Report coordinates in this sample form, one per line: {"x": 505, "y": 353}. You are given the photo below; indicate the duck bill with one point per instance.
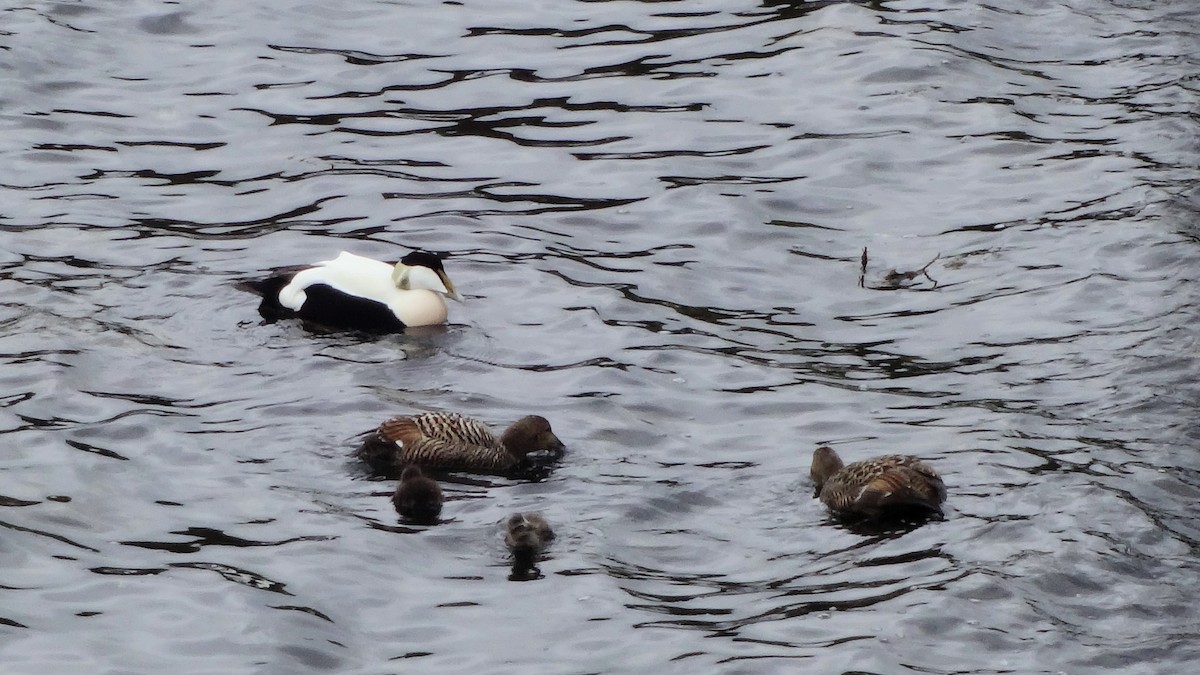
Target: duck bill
{"x": 450, "y": 291}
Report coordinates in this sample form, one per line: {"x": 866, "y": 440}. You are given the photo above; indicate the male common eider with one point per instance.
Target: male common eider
{"x": 525, "y": 535}
{"x": 877, "y": 487}
{"x": 451, "y": 441}
{"x": 418, "y": 497}
{"x": 360, "y": 293}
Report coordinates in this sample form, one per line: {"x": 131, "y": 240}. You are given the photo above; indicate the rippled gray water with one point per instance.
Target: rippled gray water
{"x": 656, "y": 211}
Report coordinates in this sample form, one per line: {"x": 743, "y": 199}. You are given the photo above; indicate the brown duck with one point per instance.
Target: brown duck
{"x": 454, "y": 442}
{"x": 418, "y": 497}
{"x": 526, "y": 534}
{"x": 876, "y": 487}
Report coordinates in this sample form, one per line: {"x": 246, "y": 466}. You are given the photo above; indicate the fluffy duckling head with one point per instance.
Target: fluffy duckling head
{"x": 418, "y": 497}
{"x": 421, "y": 269}
{"x": 525, "y": 535}
{"x": 531, "y": 434}
{"x": 825, "y": 463}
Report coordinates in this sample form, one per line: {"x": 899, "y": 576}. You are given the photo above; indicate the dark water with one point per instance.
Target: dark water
{"x": 656, "y": 211}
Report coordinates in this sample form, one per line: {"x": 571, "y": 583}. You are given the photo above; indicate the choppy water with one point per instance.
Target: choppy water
{"x": 656, "y": 211}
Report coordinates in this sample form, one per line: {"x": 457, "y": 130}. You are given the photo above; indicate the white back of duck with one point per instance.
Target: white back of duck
{"x": 348, "y": 273}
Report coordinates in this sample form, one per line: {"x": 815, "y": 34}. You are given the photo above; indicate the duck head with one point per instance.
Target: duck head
{"x": 526, "y": 534}
{"x": 825, "y": 463}
{"x": 523, "y": 532}
{"x": 531, "y": 434}
{"x": 421, "y": 269}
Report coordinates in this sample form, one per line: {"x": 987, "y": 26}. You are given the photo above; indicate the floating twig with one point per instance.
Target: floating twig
{"x": 894, "y": 279}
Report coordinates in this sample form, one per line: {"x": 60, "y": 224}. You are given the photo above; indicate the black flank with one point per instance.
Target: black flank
{"x": 330, "y": 307}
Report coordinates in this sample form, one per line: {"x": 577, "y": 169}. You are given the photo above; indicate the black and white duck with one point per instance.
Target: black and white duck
{"x": 355, "y": 292}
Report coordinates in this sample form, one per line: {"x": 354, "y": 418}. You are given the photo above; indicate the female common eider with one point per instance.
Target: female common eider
{"x": 360, "y": 293}
{"x": 451, "y": 441}
{"x": 525, "y": 535}
{"x": 876, "y": 487}
{"x": 418, "y": 497}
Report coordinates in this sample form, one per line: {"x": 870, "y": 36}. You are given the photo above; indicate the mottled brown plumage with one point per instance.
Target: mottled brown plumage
{"x": 876, "y": 487}
{"x": 418, "y": 497}
{"x": 454, "y": 442}
{"x": 526, "y": 535}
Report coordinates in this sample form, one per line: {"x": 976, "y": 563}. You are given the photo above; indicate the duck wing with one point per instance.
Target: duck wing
{"x": 900, "y": 481}
{"x": 445, "y": 441}
{"x": 446, "y": 427}
{"x": 890, "y": 482}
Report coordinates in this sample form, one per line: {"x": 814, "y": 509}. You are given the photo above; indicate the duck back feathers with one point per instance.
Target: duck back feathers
{"x": 876, "y": 487}
{"x": 448, "y": 428}
{"x": 349, "y": 274}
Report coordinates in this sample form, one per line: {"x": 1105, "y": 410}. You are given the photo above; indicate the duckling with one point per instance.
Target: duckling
{"x": 876, "y": 487}
{"x": 451, "y": 441}
{"x": 360, "y": 293}
{"x": 418, "y": 497}
{"x": 526, "y": 535}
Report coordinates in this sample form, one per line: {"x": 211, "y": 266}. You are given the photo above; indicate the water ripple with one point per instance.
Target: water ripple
{"x": 700, "y": 239}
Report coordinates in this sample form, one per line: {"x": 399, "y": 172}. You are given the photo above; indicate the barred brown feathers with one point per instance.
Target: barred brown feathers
{"x": 876, "y": 487}
{"x": 451, "y": 441}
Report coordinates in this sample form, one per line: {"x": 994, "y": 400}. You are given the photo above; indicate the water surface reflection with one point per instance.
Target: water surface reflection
{"x": 657, "y": 213}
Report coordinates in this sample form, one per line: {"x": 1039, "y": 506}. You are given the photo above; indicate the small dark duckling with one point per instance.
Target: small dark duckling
{"x": 526, "y": 535}
{"x": 418, "y": 497}
{"x": 878, "y": 487}
{"x": 450, "y": 441}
